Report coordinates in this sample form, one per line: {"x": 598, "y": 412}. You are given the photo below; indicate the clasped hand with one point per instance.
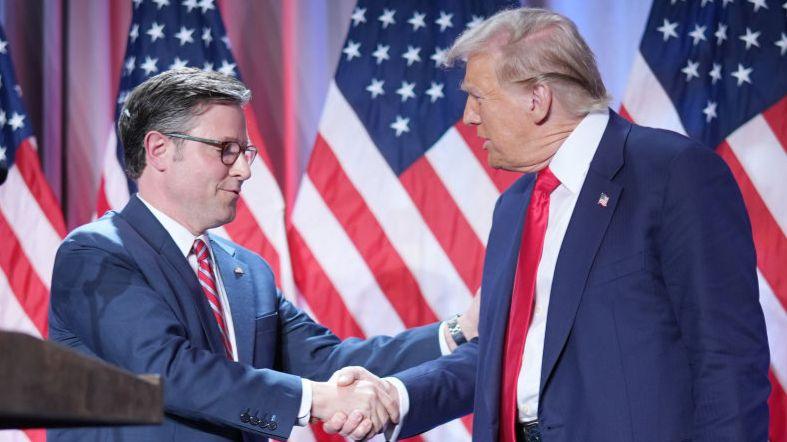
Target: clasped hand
{"x": 355, "y": 403}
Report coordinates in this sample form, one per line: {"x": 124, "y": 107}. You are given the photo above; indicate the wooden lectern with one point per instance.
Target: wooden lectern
{"x": 43, "y": 384}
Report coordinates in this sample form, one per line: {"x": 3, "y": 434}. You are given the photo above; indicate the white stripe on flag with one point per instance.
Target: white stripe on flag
{"x": 12, "y": 315}
{"x": 13, "y": 436}
{"x": 776, "y": 323}
{"x": 453, "y": 430}
{"x": 344, "y": 266}
{"x": 266, "y": 204}
{"x": 467, "y": 182}
{"x": 24, "y": 215}
{"x": 440, "y": 283}
{"x": 647, "y": 102}
{"x": 762, "y": 157}
{"x": 115, "y": 183}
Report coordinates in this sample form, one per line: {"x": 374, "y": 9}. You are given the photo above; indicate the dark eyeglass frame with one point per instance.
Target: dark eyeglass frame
{"x": 228, "y": 156}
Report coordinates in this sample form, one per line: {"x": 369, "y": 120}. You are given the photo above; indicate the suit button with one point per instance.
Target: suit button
{"x": 244, "y": 417}
{"x": 272, "y": 425}
{"x": 254, "y": 420}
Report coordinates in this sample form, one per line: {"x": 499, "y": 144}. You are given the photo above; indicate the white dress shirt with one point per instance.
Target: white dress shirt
{"x": 185, "y": 242}
{"x": 570, "y": 165}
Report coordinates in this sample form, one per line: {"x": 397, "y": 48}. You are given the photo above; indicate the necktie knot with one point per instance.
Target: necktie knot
{"x": 546, "y": 181}
{"x": 199, "y": 248}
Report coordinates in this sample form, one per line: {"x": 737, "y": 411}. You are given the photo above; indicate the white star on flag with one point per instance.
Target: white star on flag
{"x": 439, "y": 56}
{"x": 406, "y": 91}
{"x": 417, "y": 20}
{"x": 715, "y": 73}
{"x": 698, "y": 34}
{"x": 705, "y": 2}
{"x": 750, "y": 38}
{"x": 134, "y": 33}
{"x": 720, "y": 34}
{"x": 161, "y": 3}
{"x": 184, "y": 35}
{"x": 129, "y": 64}
{"x": 207, "y": 67}
{"x": 742, "y": 74}
{"x": 758, "y": 4}
{"x": 2, "y": 153}
{"x": 725, "y": 2}
{"x": 189, "y": 4}
{"x": 226, "y": 41}
{"x": 709, "y": 111}
{"x": 3, "y": 44}
{"x": 401, "y": 125}
{"x": 376, "y": 87}
{"x": 155, "y": 32}
{"x": 149, "y": 66}
{"x": 691, "y": 70}
{"x": 381, "y": 53}
{"x": 435, "y": 91}
{"x": 352, "y": 50}
{"x": 476, "y": 20}
{"x": 227, "y": 68}
{"x": 782, "y": 42}
{"x": 3, "y": 119}
{"x": 444, "y": 21}
{"x": 387, "y": 18}
{"x": 668, "y": 29}
{"x": 206, "y": 5}
{"x": 178, "y": 63}
{"x": 207, "y": 37}
{"x": 359, "y": 16}
{"x": 412, "y": 55}
{"x": 136, "y": 3}
{"x": 17, "y": 121}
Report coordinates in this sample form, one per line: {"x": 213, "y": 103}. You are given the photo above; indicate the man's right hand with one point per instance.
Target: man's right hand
{"x": 358, "y": 398}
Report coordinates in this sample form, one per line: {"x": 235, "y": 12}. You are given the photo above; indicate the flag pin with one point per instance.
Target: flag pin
{"x": 238, "y": 271}
{"x": 603, "y": 199}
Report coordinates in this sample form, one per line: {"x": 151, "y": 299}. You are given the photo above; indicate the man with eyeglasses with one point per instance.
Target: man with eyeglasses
{"x": 148, "y": 289}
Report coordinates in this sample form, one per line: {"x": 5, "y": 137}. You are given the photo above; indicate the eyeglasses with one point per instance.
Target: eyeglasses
{"x": 230, "y": 150}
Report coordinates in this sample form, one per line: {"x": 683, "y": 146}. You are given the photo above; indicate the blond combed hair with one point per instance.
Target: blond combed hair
{"x": 537, "y": 46}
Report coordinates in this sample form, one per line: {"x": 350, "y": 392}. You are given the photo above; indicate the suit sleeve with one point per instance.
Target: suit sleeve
{"x": 108, "y": 305}
{"x": 312, "y": 351}
{"x": 709, "y": 267}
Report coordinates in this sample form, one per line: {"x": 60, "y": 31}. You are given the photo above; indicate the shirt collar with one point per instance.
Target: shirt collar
{"x": 179, "y": 233}
{"x": 572, "y": 159}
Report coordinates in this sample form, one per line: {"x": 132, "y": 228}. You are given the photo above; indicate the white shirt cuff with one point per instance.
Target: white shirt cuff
{"x": 391, "y": 431}
{"x": 304, "y": 413}
{"x": 444, "y": 349}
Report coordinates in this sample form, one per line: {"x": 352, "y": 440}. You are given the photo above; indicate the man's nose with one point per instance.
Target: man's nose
{"x": 241, "y": 168}
{"x": 470, "y": 116}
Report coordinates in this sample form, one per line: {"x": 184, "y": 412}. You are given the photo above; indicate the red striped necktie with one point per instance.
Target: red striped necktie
{"x": 208, "y": 283}
{"x": 522, "y": 298}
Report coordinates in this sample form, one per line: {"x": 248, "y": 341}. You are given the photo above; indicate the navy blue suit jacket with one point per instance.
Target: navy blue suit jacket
{"x": 123, "y": 292}
{"x": 654, "y": 330}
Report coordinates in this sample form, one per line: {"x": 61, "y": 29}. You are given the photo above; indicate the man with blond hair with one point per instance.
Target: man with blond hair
{"x": 619, "y": 298}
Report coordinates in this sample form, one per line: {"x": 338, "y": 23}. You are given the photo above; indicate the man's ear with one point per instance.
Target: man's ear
{"x": 158, "y": 150}
{"x": 540, "y": 102}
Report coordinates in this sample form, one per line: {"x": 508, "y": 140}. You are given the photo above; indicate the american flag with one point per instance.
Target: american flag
{"x": 717, "y": 71}
{"x": 168, "y": 34}
{"x": 31, "y": 223}
{"x": 389, "y": 226}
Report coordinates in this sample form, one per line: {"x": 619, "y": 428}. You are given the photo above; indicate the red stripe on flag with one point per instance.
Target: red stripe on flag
{"x": 35, "y": 435}
{"x": 769, "y": 240}
{"x": 30, "y": 292}
{"x": 320, "y": 293}
{"x": 245, "y": 230}
{"x": 778, "y": 405}
{"x": 467, "y": 421}
{"x": 625, "y": 113}
{"x": 776, "y": 116}
{"x": 446, "y": 221}
{"x": 27, "y": 163}
{"x": 322, "y": 436}
{"x": 501, "y": 178}
{"x": 256, "y": 137}
{"x": 102, "y": 203}
{"x": 389, "y": 269}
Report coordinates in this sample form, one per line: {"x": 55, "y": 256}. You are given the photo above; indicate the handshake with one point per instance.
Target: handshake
{"x": 355, "y": 403}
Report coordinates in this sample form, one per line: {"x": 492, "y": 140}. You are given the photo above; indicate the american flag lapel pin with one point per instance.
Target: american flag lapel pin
{"x": 603, "y": 199}
{"x": 238, "y": 271}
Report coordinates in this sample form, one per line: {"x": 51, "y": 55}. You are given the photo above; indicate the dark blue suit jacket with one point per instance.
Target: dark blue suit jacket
{"x": 654, "y": 330}
{"x": 123, "y": 292}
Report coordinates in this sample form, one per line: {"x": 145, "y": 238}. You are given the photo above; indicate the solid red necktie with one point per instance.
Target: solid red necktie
{"x": 522, "y": 297}
{"x": 208, "y": 283}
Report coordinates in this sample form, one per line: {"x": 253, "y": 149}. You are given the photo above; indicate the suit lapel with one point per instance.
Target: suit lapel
{"x": 148, "y": 227}
{"x": 593, "y": 211}
{"x": 239, "y": 290}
